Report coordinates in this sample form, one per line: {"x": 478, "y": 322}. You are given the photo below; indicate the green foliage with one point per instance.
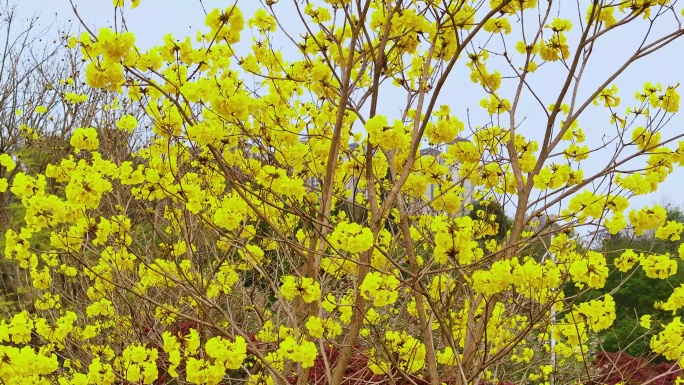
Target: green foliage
{"x": 637, "y": 293}
{"x": 484, "y": 210}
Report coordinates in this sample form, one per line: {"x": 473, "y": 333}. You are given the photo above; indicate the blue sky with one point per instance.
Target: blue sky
{"x": 155, "y": 18}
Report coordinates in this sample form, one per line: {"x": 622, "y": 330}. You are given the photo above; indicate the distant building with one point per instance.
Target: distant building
{"x": 432, "y": 190}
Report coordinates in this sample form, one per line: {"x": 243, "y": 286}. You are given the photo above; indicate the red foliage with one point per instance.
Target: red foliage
{"x": 621, "y": 367}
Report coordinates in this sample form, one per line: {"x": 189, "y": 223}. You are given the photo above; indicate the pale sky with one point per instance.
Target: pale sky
{"x": 155, "y": 18}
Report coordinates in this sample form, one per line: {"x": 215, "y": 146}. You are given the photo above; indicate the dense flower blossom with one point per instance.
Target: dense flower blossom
{"x": 244, "y": 213}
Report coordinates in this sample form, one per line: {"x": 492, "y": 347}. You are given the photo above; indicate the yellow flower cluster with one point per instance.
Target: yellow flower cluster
{"x": 674, "y": 302}
{"x": 221, "y": 205}
{"x": 671, "y": 231}
{"x": 304, "y": 352}
{"x": 32, "y": 364}
{"x": 558, "y": 175}
{"x": 351, "y": 237}
{"x": 304, "y": 287}
{"x": 627, "y": 260}
{"x": 138, "y": 363}
{"x": 659, "y": 266}
{"x": 277, "y": 180}
{"x": 670, "y": 341}
{"x": 410, "y": 350}
{"x": 226, "y": 353}
{"x": 344, "y": 306}
{"x": 225, "y": 278}
{"x": 387, "y": 137}
{"x": 530, "y": 277}
{"x": 572, "y": 334}
{"x": 445, "y": 129}
{"x": 24, "y": 366}
{"x": 590, "y": 205}
{"x": 108, "y": 52}
{"x": 454, "y": 240}
{"x": 380, "y": 288}
{"x": 589, "y": 269}
{"x": 647, "y": 218}
{"x": 222, "y": 355}
{"x": 317, "y": 326}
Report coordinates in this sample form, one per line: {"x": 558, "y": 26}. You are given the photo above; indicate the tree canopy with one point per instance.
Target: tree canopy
{"x": 635, "y": 292}
{"x": 243, "y": 207}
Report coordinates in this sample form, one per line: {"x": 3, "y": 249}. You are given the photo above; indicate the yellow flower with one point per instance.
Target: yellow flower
{"x": 84, "y": 139}
{"x": 670, "y": 231}
{"x": 560, "y": 25}
{"x": 447, "y": 127}
{"x": 7, "y": 162}
{"x": 576, "y": 153}
{"x": 670, "y": 100}
{"x": 381, "y": 288}
{"x": 386, "y": 136}
{"x": 262, "y": 21}
{"x": 590, "y": 269}
{"x": 305, "y": 287}
{"x": 304, "y": 352}
{"x": 20, "y": 328}
{"x": 645, "y": 138}
{"x": 127, "y": 123}
{"x": 410, "y": 350}
{"x": 598, "y": 314}
{"x": 626, "y": 260}
{"x": 659, "y": 266}
{"x": 315, "y": 327}
{"x": 200, "y": 371}
{"x": 498, "y": 25}
{"x": 608, "y": 97}
{"x": 647, "y": 218}
{"x": 229, "y": 354}
{"x": 495, "y": 106}
{"x": 114, "y": 46}
{"x": 41, "y": 278}
{"x": 120, "y": 3}
{"x": 351, "y": 237}
{"x": 99, "y": 373}
{"x": 225, "y": 25}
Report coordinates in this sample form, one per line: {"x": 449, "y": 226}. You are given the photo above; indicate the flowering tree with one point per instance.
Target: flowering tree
{"x": 42, "y": 100}
{"x": 274, "y": 228}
